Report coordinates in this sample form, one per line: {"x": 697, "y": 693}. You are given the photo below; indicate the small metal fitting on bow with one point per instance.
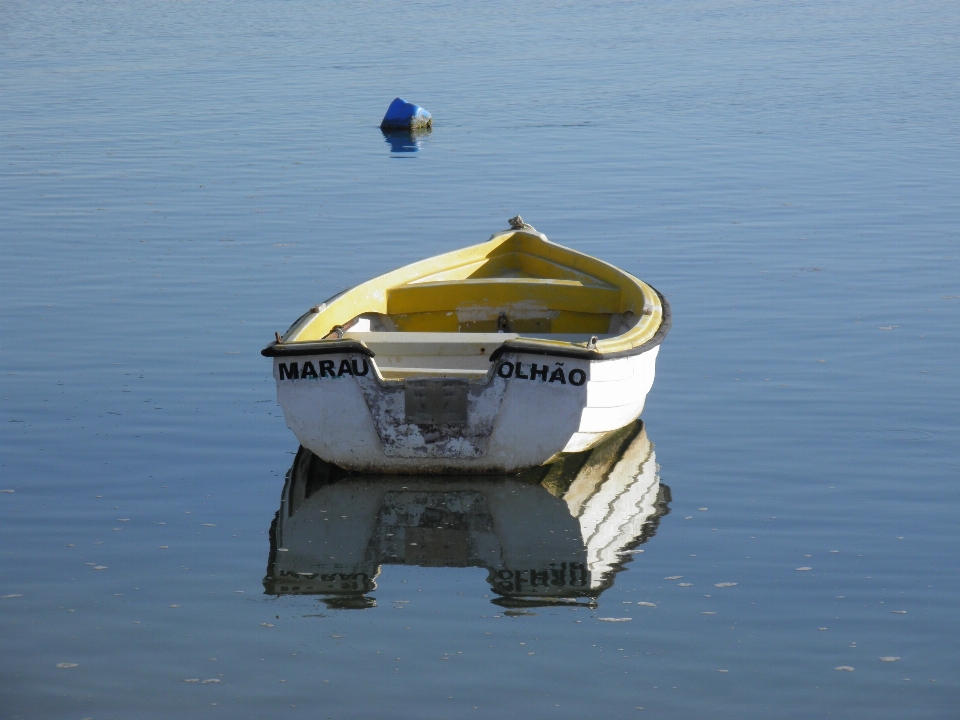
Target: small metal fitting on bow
{"x": 517, "y": 223}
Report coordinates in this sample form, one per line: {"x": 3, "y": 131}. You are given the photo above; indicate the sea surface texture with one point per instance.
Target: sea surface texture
{"x": 781, "y": 537}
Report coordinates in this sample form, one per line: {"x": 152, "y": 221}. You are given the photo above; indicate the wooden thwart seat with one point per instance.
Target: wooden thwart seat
{"x": 551, "y": 294}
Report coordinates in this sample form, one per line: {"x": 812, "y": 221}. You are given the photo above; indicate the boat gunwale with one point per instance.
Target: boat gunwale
{"x": 535, "y": 346}
{"x": 527, "y": 346}
{"x": 316, "y": 347}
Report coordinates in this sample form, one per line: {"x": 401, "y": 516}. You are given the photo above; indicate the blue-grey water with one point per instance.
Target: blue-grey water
{"x": 182, "y": 179}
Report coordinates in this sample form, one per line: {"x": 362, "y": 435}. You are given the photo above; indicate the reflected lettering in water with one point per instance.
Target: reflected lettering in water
{"x": 405, "y": 141}
{"x": 558, "y": 533}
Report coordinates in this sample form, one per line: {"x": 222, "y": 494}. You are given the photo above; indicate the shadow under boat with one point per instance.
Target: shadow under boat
{"x": 554, "y": 534}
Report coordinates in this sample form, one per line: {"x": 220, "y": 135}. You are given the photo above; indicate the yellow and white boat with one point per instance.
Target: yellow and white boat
{"x": 490, "y": 359}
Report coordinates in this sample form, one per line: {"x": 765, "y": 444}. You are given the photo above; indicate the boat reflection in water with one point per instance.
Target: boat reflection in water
{"x": 558, "y": 533}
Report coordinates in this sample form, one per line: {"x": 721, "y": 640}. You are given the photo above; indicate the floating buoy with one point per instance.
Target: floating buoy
{"x": 403, "y": 115}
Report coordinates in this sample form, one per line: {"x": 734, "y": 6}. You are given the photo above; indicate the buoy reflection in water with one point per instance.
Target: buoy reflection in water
{"x": 405, "y": 141}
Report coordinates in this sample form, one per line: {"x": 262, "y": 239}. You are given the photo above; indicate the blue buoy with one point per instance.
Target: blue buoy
{"x": 402, "y": 115}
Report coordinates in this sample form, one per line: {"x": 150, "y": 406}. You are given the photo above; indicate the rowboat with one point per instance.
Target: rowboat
{"x": 554, "y": 534}
{"x": 491, "y": 359}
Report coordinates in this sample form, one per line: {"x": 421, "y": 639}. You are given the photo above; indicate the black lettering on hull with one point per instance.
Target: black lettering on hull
{"x": 323, "y": 369}
{"x": 507, "y": 369}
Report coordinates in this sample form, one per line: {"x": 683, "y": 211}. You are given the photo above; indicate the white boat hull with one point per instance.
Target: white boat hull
{"x": 526, "y": 412}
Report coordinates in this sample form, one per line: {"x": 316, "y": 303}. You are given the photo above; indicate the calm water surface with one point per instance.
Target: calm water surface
{"x": 180, "y": 180}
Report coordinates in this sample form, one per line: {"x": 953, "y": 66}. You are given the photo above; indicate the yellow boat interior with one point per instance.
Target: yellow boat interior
{"x": 444, "y": 316}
